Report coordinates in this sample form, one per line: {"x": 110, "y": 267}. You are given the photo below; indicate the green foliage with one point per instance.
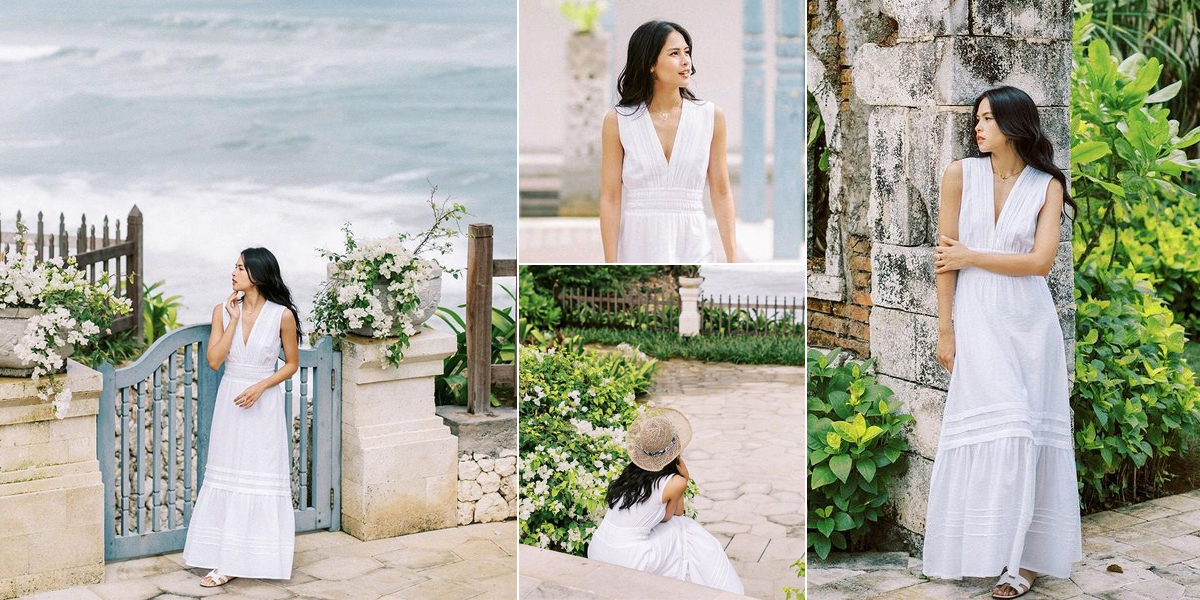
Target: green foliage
{"x": 715, "y": 319}
{"x": 582, "y": 14}
{"x": 644, "y": 317}
{"x": 1166, "y": 29}
{"x": 159, "y": 313}
{"x": 1126, "y": 152}
{"x": 598, "y": 278}
{"x": 1135, "y": 397}
{"x": 738, "y": 349}
{"x": 538, "y": 309}
{"x": 574, "y": 410}
{"x": 451, "y": 386}
{"x": 116, "y": 349}
{"x": 792, "y": 593}
{"x": 854, "y": 449}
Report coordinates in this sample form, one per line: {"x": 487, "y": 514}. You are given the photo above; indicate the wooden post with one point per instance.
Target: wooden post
{"x": 134, "y": 265}
{"x": 479, "y": 319}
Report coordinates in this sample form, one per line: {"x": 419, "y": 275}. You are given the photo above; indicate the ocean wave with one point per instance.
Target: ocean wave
{"x": 11, "y": 53}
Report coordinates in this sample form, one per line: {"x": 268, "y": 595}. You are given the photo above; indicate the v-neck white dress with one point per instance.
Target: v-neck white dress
{"x": 1003, "y": 491}
{"x": 243, "y": 524}
{"x": 662, "y": 206}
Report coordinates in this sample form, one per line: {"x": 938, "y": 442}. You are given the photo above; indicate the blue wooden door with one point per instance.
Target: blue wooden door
{"x": 153, "y": 431}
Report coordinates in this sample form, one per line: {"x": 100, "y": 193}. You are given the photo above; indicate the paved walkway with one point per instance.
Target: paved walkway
{"x": 547, "y": 575}
{"x": 475, "y": 561}
{"x": 1148, "y": 551}
{"x": 747, "y": 455}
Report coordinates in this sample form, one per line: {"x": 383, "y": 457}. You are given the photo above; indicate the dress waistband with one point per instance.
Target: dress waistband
{"x": 248, "y": 372}
{"x": 659, "y": 200}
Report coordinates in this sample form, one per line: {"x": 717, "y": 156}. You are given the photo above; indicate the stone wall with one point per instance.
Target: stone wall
{"x": 487, "y": 487}
{"x": 51, "y": 495}
{"x": 915, "y": 68}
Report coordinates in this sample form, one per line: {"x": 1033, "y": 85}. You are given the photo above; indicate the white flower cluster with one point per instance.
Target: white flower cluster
{"x": 25, "y": 283}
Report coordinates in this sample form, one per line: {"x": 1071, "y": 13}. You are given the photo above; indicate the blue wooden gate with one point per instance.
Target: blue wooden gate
{"x": 153, "y": 432}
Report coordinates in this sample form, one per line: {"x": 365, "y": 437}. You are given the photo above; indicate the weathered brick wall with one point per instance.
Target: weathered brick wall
{"x": 913, "y": 88}
{"x": 846, "y": 324}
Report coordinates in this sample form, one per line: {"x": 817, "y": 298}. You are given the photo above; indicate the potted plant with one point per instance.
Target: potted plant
{"x": 380, "y": 288}
{"x": 46, "y": 310}
{"x": 688, "y": 275}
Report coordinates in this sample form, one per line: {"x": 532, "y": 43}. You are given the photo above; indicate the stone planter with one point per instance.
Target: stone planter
{"x": 429, "y": 291}
{"x": 13, "y": 322}
{"x": 690, "y": 282}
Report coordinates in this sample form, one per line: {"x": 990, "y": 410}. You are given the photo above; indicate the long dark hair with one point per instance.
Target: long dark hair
{"x": 635, "y": 85}
{"x": 263, "y": 270}
{"x": 1017, "y": 117}
{"x": 635, "y": 484}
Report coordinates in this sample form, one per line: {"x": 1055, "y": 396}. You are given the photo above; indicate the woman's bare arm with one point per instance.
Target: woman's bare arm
{"x": 1037, "y": 262}
{"x": 221, "y": 337}
{"x": 719, "y": 189}
{"x": 672, "y": 496}
{"x": 948, "y": 209}
{"x": 612, "y": 156}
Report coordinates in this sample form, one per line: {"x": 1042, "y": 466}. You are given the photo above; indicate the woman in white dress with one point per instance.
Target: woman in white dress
{"x": 243, "y": 524}
{"x": 660, "y": 145}
{"x": 1003, "y": 496}
{"x": 644, "y": 527}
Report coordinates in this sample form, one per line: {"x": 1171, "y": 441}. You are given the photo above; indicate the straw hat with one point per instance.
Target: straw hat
{"x": 656, "y": 437}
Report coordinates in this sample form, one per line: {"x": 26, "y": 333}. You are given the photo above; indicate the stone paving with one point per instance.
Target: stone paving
{"x": 747, "y": 456}
{"x": 475, "y": 561}
{"x": 1148, "y": 551}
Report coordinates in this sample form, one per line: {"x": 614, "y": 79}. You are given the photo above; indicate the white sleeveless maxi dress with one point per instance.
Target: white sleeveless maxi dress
{"x": 1004, "y": 487}
{"x": 243, "y": 524}
{"x": 635, "y": 537}
{"x": 662, "y": 206}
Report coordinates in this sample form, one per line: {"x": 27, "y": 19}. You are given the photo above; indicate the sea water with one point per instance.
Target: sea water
{"x": 236, "y": 124}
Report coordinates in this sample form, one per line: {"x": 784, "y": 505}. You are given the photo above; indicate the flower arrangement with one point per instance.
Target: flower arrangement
{"x": 71, "y": 311}
{"x": 375, "y": 284}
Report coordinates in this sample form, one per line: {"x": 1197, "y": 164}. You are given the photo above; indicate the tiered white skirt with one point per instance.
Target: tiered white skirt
{"x": 664, "y": 226}
{"x": 680, "y": 548}
{"x": 243, "y": 524}
{"x": 1004, "y": 486}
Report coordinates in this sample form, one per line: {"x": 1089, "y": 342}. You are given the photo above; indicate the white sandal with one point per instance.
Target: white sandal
{"x": 1016, "y": 580}
{"x": 218, "y": 579}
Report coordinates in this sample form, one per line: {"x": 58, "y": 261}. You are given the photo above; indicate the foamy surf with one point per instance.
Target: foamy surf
{"x": 16, "y": 54}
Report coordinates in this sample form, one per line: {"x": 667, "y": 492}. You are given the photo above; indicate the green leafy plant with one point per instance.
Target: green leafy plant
{"x": 1135, "y": 397}
{"x": 451, "y": 385}
{"x": 582, "y": 14}
{"x": 159, "y": 314}
{"x": 738, "y": 349}
{"x": 538, "y": 309}
{"x": 855, "y": 444}
{"x": 794, "y": 593}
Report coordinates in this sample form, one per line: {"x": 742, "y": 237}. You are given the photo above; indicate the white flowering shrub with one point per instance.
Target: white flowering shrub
{"x": 351, "y": 299}
{"x": 575, "y": 407}
{"x": 73, "y": 313}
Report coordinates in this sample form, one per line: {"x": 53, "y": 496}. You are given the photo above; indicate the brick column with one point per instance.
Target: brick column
{"x": 51, "y": 494}
{"x": 399, "y": 460}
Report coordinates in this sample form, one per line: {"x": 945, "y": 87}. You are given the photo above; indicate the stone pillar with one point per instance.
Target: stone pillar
{"x": 51, "y": 493}
{"x": 399, "y": 459}
{"x": 689, "y": 312}
{"x": 754, "y": 106}
{"x": 917, "y": 87}
{"x": 587, "y": 99}
{"x": 790, "y": 102}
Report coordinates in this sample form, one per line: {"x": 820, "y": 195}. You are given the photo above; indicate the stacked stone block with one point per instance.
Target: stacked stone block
{"x": 487, "y": 487}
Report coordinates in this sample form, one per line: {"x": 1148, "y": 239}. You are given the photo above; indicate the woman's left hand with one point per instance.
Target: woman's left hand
{"x": 951, "y": 255}
{"x": 249, "y": 396}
